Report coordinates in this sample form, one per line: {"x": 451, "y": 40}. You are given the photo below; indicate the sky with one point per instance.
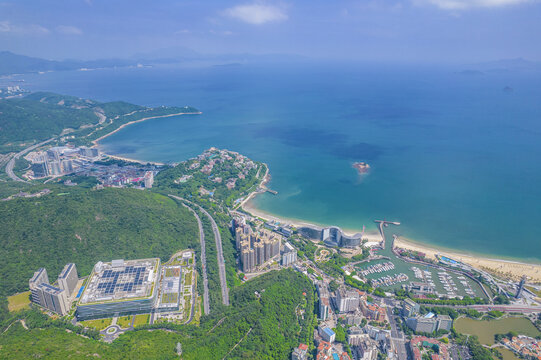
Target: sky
{"x": 372, "y": 30}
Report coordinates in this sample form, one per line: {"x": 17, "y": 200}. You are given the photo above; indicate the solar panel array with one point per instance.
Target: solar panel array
{"x": 121, "y": 280}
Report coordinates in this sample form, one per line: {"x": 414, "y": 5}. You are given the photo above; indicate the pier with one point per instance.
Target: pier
{"x": 384, "y": 223}
{"x": 273, "y": 192}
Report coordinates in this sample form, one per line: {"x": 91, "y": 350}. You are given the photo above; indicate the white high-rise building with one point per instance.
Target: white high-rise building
{"x": 149, "y": 179}
{"x": 289, "y": 255}
{"x": 67, "y": 280}
{"x": 347, "y": 300}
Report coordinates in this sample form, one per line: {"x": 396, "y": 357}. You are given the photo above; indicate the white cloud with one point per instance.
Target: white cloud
{"x": 183, "y": 32}
{"x": 221, "y": 33}
{"x": 5, "y": 26}
{"x": 68, "y": 30}
{"x": 256, "y": 14}
{"x": 467, "y": 4}
{"x": 28, "y": 29}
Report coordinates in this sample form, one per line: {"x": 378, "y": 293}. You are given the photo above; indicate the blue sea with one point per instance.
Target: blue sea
{"x": 454, "y": 157}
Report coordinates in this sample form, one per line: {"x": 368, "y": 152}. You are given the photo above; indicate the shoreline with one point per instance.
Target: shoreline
{"x": 373, "y": 236}
{"x": 501, "y": 267}
{"x": 96, "y": 141}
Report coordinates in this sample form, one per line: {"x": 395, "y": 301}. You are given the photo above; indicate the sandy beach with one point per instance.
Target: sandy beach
{"x": 499, "y": 267}
{"x": 503, "y": 268}
{"x": 373, "y": 237}
{"x": 133, "y": 160}
{"x": 95, "y": 142}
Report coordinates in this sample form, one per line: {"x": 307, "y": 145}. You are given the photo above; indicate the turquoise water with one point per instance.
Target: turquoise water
{"x": 454, "y": 158}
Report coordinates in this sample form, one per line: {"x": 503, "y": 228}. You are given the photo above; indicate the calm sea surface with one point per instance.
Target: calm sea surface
{"x": 454, "y": 158}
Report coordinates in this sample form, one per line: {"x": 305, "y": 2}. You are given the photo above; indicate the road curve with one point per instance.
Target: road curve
{"x": 206, "y": 306}
{"x": 11, "y": 163}
{"x": 221, "y": 261}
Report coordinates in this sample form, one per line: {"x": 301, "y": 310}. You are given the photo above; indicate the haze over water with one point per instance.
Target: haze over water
{"x": 454, "y": 157}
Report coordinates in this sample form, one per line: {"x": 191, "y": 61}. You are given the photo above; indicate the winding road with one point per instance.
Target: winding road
{"x": 11, "y": 163}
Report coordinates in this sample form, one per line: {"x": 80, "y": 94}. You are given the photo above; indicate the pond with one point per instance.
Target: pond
{"x": 486, "y": 329}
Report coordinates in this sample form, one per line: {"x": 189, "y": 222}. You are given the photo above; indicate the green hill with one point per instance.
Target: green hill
{"x": 86, "y": 226}
{"x": 42, "y": 115}
{"x": 24, "y": 120}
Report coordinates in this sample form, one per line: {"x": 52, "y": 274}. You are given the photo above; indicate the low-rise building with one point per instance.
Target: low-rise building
{"x": 444, "y": 322}
{"x": 420, "y": 343}
{"x": 326, "y": 333}
{"x": 429, "y": 323}
{"x": 123, "y": 287}
{"x": 300, "y": 353}
{"x": 373, "y": 311}
{"x": 362, "y": 346}
{"x": 421, "y": 288}
{"x": 409, "y": 308}
{"x": 353, "y": 318}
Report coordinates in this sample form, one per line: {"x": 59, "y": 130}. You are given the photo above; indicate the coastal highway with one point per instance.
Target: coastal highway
{"x": 506, "y": 308}
{"x": 11, "y": 163}
{"x": 206, "y": 306}
{"x": 502, "y": 308}
{"x": 221, "y": 261}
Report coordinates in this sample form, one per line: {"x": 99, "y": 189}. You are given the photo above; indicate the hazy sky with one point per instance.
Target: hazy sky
{"x": 388, "y": 30}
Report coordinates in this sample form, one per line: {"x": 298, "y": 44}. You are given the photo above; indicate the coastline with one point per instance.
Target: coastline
{"x": 501, "y": 267}
{"x": 514, "y": 269}
{"x": 247, "y": 205}
{"x": 96, "y": 142}
{"x": 506, "y": 268}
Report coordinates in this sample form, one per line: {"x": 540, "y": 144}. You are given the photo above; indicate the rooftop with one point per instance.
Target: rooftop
{"x": 66, "y": 271}
{"x": 37, "y": 274}
{"x": 121, "y": 280}
{"x": 49, "y": 289}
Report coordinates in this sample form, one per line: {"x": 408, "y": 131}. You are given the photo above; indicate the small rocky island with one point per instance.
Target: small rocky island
{"x": 361, "y": 167}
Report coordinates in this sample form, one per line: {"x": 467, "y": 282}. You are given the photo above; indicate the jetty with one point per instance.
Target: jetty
{"x": 273, "y": 192}
{"x": 383, "y": 223}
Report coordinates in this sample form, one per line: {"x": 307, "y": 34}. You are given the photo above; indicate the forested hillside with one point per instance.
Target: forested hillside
{"x": 42, "y": 115}
{"x": 84, "y": 226}
{"x": 30, "y": 120}
{"x": 267, "y": 327}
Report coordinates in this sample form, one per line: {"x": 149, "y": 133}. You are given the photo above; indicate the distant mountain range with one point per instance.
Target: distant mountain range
{"x": 504, "y": 65}
{"x": 11, "y": 63}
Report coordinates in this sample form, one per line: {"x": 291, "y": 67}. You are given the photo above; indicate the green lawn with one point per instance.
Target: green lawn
{"x": 188, "y": 279}
{"x": 124, "y": 321}
{"x": 141, "y": 319}
{"x": 19, "y": 301}
{"x": 98, "y": 324}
